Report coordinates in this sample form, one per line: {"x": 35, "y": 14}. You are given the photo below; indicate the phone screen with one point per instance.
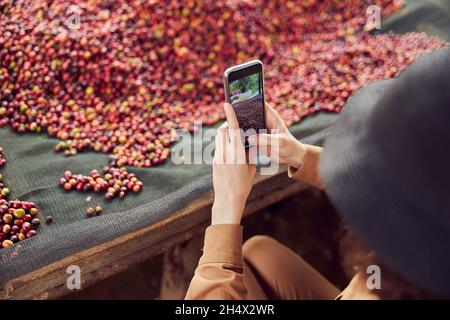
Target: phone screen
{"x": 246, "y": 95}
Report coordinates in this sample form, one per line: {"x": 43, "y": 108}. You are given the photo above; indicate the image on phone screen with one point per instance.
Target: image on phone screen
{"x": 247, "y": 98}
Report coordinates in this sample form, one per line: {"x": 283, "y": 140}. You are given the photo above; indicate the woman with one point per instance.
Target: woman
{"x": 385, "y": 168}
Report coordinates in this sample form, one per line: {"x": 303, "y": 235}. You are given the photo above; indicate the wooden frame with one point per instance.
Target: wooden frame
{"x": 109, "y": 258}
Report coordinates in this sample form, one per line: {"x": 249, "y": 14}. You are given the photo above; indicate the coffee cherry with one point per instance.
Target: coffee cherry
{"x": 26, "y": 226}
{"x": 19, "y": 213}
{"x": 6, "y": 229}
{"x": 35, "y": 222}
{"x": 15, "y": 229}
{"x": 8, "y": 218}
{"x": 2, "y": 155}
{"x": 34, "y": 211}
{"x": 67, "y": 186}
{"x": 90, "y": 212}
{"x": 7, "y": 243}
{"x": 98, "y": 210}
{"x": 4, "y": 192}
{"x": 31, "y": 233}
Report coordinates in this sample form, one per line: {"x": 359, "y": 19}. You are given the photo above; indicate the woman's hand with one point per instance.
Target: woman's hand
{"x": 282, "y": 147}
{"x": 232, "y": 175}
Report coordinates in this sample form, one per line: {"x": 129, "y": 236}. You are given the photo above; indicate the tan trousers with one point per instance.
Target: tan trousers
{"x": 273, "y": 271}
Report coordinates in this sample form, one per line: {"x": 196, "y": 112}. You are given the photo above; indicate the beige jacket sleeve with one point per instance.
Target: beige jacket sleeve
{"x": 219, "y": 275}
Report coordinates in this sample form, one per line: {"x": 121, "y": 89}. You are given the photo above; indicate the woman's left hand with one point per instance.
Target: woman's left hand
{"x": 232, "y": 175}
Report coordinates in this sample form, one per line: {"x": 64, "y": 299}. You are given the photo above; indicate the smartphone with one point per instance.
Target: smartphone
{"x": 244, "y": 90}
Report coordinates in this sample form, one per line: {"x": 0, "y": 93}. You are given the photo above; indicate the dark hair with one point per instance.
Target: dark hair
{"x": 356, "y": 257}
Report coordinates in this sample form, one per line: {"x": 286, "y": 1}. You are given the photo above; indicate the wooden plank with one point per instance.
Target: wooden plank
{"x": 109, "y": 258}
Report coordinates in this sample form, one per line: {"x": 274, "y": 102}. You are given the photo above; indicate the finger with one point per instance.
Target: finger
{"x": 273, "y": 119}
{"x": 252, "y": 155}
{"x": 268, "y": 144}
{"x": 264, "y": 139}
{"x": 220, "y": 140}
{"x": 269, "y": 110}
{"x": 231, "y": 116}
{"x": 270, "y": 115}
{"x": 237, "y": 150}
{"x": 253, "y": 140}
{"x": 222, "y": 132}
{"x": 268, "y": 107}
{"x": 235, "y": 147}
{"x": 223, "y": 126}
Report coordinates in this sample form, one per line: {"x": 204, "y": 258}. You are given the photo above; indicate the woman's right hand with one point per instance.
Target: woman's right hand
{"x": 282, "y": 147}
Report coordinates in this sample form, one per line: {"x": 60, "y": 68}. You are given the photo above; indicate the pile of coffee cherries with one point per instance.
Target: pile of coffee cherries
{"x": 115, "y": 182}
{"x": 18, "y": 219}
{"x": 321, "y": 75}
{"x": 120, "y": 77}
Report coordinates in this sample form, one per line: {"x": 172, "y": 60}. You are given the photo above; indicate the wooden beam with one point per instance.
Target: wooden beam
{"x": 109, "y": 258}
